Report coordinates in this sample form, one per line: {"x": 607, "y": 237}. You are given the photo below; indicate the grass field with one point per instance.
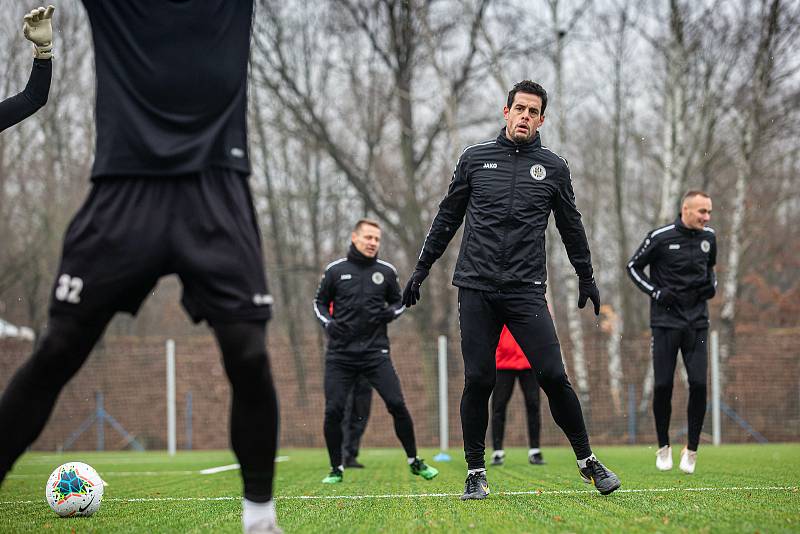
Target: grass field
{"x": 737, "y": 488}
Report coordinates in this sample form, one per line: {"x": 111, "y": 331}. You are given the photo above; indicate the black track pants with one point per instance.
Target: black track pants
{"x": 356, "y": 416}
{"x": 481, "y": 317}
{"x": 503, "y": 389}
{"x": 694, "y": 347}
{"x": 340, "y": 375}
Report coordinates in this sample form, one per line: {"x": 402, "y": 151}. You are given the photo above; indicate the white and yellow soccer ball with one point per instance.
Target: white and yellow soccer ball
{"x": 74, "y": 489}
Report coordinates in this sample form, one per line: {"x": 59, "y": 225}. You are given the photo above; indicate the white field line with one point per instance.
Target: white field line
{"x": 220, "y": 469}
{"x": 422, "y": 495}
{"x": 109, "y": 474}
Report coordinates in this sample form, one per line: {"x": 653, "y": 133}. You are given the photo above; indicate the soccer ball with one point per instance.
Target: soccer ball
{"x": 74, "y": 489}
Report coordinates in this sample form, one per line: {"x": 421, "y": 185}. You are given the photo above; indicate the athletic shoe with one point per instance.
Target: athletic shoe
{"x": 352, "y": 463}
{"x": 267, "y": 526}
{"x": 476, "y": 486}
{"x": 536, "y": 459}
{"x": 498, "y": 458}
{"x": 664, "y": 458}
{"x": 420, "y": 468}
{"x": 596, "y": 473}
{"x": 334, "y": 477}
{"x": 688, "y": 461}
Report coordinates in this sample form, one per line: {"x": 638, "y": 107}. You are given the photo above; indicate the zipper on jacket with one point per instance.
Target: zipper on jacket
{"x": 503, "y": 248}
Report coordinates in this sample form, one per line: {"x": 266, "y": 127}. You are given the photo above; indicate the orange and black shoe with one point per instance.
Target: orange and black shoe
{"x": 596, "y": 473}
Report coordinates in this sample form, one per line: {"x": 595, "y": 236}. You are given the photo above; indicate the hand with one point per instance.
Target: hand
{"x": 665, "y": 296}
{"x": 37, "y": 29}
{"x": 335, "y": 329}
{"x": 411, "y": 293}
{"x": 384, "y": 316}
{"x": 587, "y": 289}
{"x": 706, "y": 292}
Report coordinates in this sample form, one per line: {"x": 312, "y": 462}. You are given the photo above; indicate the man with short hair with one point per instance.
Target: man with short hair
{"x": 681, "y": 257}
{"x": 37, "y": 28}
{"x": 507, "y": 187}
{"x": 170, "y": 194}
{"x": 366, "y": 297}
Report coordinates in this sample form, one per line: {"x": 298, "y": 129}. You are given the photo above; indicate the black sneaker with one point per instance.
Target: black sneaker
{"x": 476, "y": 486}
{"x": 596, "y": 473}
{"x": 536, "y": 459}
{"x": 498, "y": 459}
{"x": 352, "y": 463}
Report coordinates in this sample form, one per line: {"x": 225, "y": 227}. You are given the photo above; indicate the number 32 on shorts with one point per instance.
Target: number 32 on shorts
{"x": 69, "y": 289}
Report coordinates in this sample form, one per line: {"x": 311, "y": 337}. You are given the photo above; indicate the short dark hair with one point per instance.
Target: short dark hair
{"x": 694, "y": 193}
{"x": 527, "y": 86}
{"x": 362, "y": 222}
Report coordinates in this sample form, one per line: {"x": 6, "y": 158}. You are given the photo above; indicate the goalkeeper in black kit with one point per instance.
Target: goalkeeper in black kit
{"x": 170, "y": 194}
{"x": 506, "y": 188}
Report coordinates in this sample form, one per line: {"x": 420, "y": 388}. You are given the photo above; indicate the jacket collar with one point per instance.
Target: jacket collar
{"x": 682, "y": 228}
{"x": 357, "y": 257}
{"x": 533, "y": 144}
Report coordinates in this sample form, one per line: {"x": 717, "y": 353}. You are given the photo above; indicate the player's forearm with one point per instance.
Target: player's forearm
{"x": 26, "y": 103}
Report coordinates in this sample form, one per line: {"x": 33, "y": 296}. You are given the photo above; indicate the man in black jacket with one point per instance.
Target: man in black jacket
{"x": 38, "y": 29}
{"x": 365, "y": 297}
{"x": 507, "y": 187}
{"x": 681, "y": 257}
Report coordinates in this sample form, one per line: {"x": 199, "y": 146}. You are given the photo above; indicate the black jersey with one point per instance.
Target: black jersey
{"x": 682, "y": 260}
{"x": 21, "y": 106}
{"x": 360, "y": 289}
{"x": 171, "y": 85}
{"x": 506, "y": 192}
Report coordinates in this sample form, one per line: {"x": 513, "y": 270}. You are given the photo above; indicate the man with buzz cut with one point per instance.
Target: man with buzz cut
{"x": 506, "y": 188}
{"x": 365, "y": 296}
{"x": 681, "y": 257}
{"x": 170, "y": 195}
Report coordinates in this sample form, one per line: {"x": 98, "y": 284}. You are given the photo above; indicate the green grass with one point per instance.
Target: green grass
{"x": 738, "y": 488}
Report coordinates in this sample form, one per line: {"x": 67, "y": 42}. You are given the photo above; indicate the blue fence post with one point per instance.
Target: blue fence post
{"x": 631, "y": 414}
{"x": 189, "y": 420}
{"x": 101, "y": 419}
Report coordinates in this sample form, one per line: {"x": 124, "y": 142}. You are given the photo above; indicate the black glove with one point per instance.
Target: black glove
{"x": 335, "y": 329}
{"x": 706, "y": 291}
{"x": 384, "y": 316}
{"x": 587, "y": 289}
{"x": 411, "y": 292}
{"x": 665, "y": 296}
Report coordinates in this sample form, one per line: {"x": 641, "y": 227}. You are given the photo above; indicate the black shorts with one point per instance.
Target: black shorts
{"x": 131, "y": 231}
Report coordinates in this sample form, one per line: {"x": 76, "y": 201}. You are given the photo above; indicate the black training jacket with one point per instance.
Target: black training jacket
{"x": 507, "y": 191}
{"x": 21, "y": 106}
{"x": 361, "y": 289}
{"x": 682, "y": 260}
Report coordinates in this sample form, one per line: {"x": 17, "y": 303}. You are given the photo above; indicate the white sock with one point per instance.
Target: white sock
{"x": 500, "y": 452}
{"x": 257, "y": 512}
{"x": 341, "y": 467}
{"x": 411, "y": 460}
{"x": 534, "y": 451}
{"x": 582, "y": 463}
{"x": 473, "y": 471}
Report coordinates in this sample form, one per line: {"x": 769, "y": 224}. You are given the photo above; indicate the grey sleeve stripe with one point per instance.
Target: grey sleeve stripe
{"x": 324, "y": 320}
{"x": 639, "y": 278}
{"x": 399, "y": 311}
